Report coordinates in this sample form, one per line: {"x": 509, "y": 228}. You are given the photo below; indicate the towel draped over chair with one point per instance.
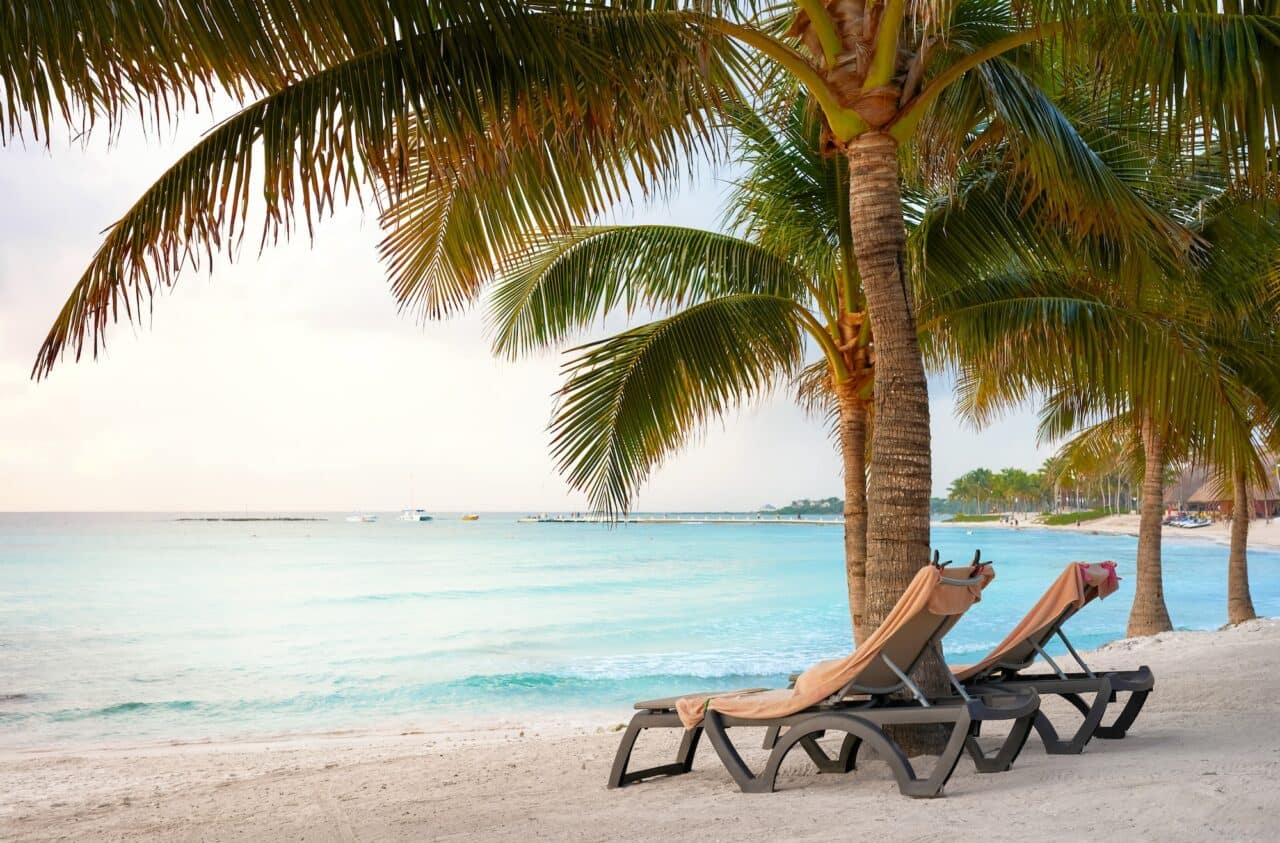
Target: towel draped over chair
{"x": 927, "y": 594}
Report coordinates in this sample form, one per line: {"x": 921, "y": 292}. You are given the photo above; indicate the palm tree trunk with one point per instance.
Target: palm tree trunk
{"x": 898, "y": 494}
{"x": 1239, "y": 602}
{"x": 1149, "y": 614}
{"x": 853, "y": 447}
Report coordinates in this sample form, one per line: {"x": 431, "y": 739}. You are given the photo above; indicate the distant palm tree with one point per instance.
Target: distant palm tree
{"x": 1239, "y": 600}
{"x": 1155, "y": 361}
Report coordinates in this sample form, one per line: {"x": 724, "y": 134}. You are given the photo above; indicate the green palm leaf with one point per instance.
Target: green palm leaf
{"x": 458, "y": 102}
{"x": 561, "y": 284}
{"x": 91, "y": 59}
{"x": 633, "y": 399}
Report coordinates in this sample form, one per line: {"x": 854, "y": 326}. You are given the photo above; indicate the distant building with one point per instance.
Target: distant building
{"x": 1178, "y": 492}
{"x": 1210, "y": 497}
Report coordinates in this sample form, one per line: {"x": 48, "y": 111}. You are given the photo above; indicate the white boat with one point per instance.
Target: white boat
{"x": 414, "y": 515}
{"x": 362, "y": 519}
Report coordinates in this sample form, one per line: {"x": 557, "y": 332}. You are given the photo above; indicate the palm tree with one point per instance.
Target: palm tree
{"x": 1239, "y": 601}
{"x": 974, "y": 487}
{"x": 1056, "y": 475}
{"x": 1162, "y": 364}
{"x": 737, "y": 311}
{"x": 1249, "y": 465}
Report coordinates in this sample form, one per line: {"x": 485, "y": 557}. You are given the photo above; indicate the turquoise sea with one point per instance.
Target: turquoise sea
{"x": 118, "y": 628}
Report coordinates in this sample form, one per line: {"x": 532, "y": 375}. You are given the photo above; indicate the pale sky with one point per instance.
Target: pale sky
{"x": 291, "y": 382}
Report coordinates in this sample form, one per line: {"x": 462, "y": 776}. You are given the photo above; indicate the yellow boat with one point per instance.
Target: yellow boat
{"x": 471, "y": 518}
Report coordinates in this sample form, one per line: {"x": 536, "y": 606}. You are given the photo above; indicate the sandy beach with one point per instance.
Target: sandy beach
{"x": 1263, "y": 535}
{"x": 1202, "y": 762}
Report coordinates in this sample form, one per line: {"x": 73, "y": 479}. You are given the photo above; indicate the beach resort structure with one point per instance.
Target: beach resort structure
{"x": 1212, "y": 498}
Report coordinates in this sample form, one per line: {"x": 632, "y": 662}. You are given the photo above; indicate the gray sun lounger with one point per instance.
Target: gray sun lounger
{"x": 861, "y": 718}
{"x": 1009, "y": 674}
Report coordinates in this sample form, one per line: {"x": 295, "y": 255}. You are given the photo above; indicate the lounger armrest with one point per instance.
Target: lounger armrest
{"x": 996, "y": 703}
{"x": 1132, "y": 681}
{"x": 669, "y": 703}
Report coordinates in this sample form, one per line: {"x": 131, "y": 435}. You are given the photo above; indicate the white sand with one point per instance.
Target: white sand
{"x": 1203, "y": 762}
{"x": 1263, "y": 535}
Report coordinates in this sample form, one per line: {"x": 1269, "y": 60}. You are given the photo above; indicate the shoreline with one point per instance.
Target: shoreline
{"x": 1262, "y": 536}
{"x": 473, "y": 729}
{"x": 1202, "y": 757}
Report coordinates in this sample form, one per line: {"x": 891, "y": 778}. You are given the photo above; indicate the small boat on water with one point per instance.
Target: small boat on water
{"x": 362, "y": 519}
{"x": 414, "y": 515}
{"x": 471, "y": 517}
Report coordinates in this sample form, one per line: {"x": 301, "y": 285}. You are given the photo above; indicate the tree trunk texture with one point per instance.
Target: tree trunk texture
{"x": 898, "y": 494}
{"x": 1239, "y": 602}
{"x": 853, "y": 447}
{"x": 1149, "y": 614}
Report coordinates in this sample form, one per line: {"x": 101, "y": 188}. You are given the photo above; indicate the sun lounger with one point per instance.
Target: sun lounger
{"x": 1005, "y": 666}
{"x": 850, "y": 695}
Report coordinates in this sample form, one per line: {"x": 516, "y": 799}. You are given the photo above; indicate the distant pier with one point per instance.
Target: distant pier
{"x": 803, "y": 521}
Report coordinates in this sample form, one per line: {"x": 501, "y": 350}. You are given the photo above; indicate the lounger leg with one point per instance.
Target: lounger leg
{"x": 718, "y": 735}
{"x": 1093, "y": 715}
{"x": 859, "y": 731}
{"x": 849, "y": 752}
{"x": 846, "y": 759}
{"x": 1128, "y": 714}
{"x": 771, "y": 737}
{"x": 619, "y": 776}
{"x": 946, "y": 765}
{"x": 688, "y": 748}
{"x": 1009, "y": 750}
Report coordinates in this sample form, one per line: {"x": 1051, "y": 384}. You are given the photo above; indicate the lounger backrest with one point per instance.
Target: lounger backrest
{"x": 1077, "y": 586}
{"x": 1024, "y": 653}
{"x": 907, "y": 644}
{"x": 927, "y": 608}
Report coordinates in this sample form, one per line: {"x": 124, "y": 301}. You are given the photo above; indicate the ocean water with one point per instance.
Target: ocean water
{"x": 125, "y": 628}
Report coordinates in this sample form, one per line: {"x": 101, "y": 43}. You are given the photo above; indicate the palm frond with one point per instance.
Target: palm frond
{"x": 1212, "y": 76}
{"x": 792, "y": 198}
{"x": 85, "y": 60}
{"x": 817, "y": 397}
{"x": 561, "y": 284}
{"x": 633, "y": 399}
{"x": 458, "y": 101}
{"x": 1076, "y": 185}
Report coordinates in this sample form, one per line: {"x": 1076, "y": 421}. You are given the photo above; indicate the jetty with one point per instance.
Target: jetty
{"x": 779, "y": 520}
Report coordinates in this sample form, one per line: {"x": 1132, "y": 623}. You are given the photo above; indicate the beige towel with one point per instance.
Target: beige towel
{"x": 926, "y": 593}
{"x": 1078, "y": 583}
